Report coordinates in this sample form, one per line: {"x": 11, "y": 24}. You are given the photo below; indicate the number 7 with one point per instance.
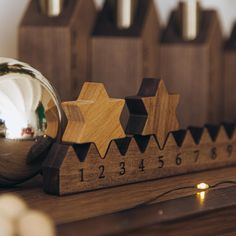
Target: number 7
{"x": 197, "y": 154}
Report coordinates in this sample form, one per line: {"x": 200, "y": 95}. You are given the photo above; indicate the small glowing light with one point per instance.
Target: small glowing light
{"x": 203, "y": 186}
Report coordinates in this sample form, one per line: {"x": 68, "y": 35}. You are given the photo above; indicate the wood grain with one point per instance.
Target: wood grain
{"x": 208, "y": 223}
{"x": 77, "y": 165}
{"x": 194, "y": 70}
{"x": 86, "y": 205}
{"x": 51, "y": 114}
{"x": 80, "y": 168}
{"x": 229, "y": 77}
{"x": 158, "y": 110}
{"x": 162, "y": 217}
{"x": 59, "y": 46}
{"x": 122, "y": 58}
{"x": 93, "y": 118}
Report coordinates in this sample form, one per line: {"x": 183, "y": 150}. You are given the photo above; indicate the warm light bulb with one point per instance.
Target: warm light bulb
{"x": 203, "y": 186}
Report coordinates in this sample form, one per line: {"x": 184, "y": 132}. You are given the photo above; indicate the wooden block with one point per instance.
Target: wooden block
{"x": 59, "y": 46}
{"x": 79, "y": 168}
{"x": 153, "y": 111}
{"x": 52, "y": 118}
{"x": 94, "y": 118}
{"x": 229, "y": 78}
{"x": 122, "y": 58}
{"x": 95, "y": 152}
{"x": 194, "y": 70}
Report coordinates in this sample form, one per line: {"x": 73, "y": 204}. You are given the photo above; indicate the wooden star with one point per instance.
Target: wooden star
{"x": 153, "y": 111}
{"x": 94, "y": 118}
{"x": 52, "y": 118}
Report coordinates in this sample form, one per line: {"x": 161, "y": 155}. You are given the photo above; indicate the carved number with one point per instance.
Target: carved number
{"x": 197, "y": 153}
{"x": 122, "y": 168}
{"x": 161, "y": 162}
{"x": 178, "y": 160}
{"x": 141, "y": 165}
{"x": 81, "y": 175}
{"x": 229, "y": 150}
{"x": 213, "y": 153}
{"x": 102, "y": 169}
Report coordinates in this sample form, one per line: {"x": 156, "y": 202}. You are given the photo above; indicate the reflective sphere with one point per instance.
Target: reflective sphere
{"x": 30, "y": 118}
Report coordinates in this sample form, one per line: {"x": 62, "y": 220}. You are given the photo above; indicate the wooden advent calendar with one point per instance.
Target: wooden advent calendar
{"x": 96, "y": 152}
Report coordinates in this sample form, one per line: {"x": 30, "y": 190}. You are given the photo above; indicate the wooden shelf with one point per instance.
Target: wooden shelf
{"x": 82, "y": 206}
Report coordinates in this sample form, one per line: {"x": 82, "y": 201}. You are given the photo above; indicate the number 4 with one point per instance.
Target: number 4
{"x": 141, "y": 165}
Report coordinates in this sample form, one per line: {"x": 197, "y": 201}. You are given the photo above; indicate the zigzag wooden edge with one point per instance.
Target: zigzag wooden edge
{"x": 72, "y": 168}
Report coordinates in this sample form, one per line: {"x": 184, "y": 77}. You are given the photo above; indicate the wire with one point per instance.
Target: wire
{"x": 182, "y": 188}
{"x": 165, "y": 193}
{"x": 223, "y": 182}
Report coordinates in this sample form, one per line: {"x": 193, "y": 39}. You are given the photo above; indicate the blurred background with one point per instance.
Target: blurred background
{"x": 11, "y": 12}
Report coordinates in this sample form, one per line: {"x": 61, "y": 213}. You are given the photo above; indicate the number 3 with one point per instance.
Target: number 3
{"x": 122, "y": 168}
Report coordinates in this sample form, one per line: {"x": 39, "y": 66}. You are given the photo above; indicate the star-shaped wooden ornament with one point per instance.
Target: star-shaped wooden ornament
{"x": 52, "y": 118}
{"x": 153, "y": 111}
{"x": 94, "y": 118}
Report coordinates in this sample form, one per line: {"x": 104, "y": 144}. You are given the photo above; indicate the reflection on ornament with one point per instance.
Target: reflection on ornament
{"x": 30, "y": 118}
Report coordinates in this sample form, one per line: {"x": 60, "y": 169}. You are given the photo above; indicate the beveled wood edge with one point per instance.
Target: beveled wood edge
{"x": 58, "y": 151}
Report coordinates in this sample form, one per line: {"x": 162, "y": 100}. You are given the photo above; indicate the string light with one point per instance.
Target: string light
{"x": 202, "y": 186}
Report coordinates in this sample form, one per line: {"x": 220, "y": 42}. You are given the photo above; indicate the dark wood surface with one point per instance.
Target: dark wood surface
{"x": 215, "y": 215}
{"x": 59, "y": 47}
{"x": 229, "y": 85}
{"x": 229, "y": 77}
{"x": 106, "y": 158}
{"x": 207, "y": 224}
{"x": 139, "y": 159}
{"x": 121, "y": 210}
{"x": 193, "y": 69}
{"x": 122, "y": 58}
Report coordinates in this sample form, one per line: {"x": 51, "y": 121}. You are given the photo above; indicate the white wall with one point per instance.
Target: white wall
{"x": 11, "y": 12}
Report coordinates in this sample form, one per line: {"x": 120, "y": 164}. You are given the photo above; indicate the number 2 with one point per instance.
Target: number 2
{"x": 102, "y": 169}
